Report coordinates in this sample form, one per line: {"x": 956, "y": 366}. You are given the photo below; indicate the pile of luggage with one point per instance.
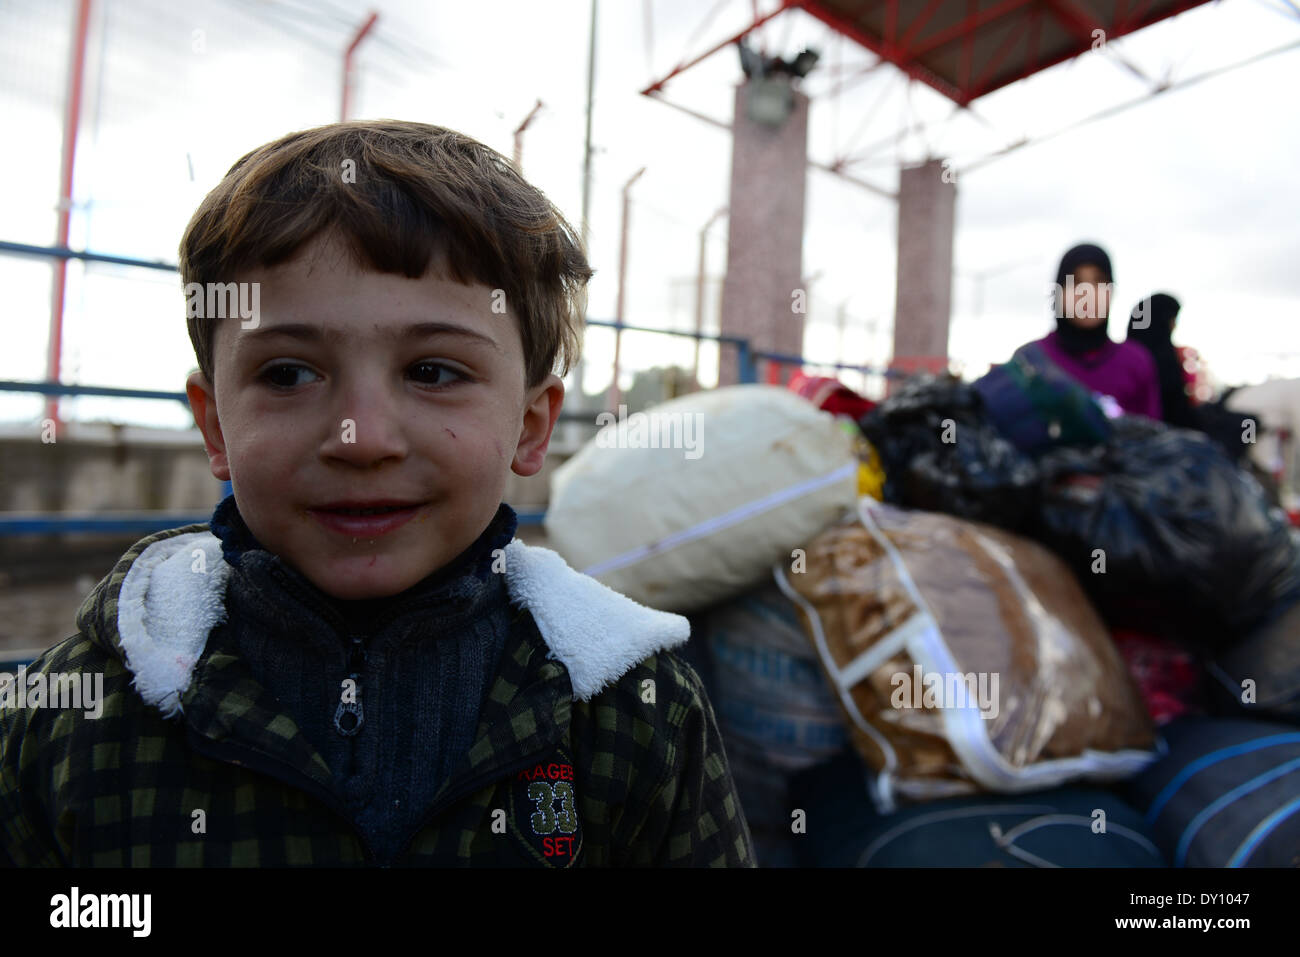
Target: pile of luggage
{"x": 975, "y": 624}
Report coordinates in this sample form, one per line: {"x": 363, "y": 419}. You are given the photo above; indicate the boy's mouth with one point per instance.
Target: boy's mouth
{"x": 367, "y": 511}
{"x": 366, "y": 508}
{"x": 368, "y": 519}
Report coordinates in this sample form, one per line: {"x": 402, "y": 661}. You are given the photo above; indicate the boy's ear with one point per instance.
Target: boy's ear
{"x": 203, "y": 406}
{"x": 540, "y": 415}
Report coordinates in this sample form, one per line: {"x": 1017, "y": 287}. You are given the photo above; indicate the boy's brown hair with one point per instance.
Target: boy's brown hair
{"x": 419, "y": 191}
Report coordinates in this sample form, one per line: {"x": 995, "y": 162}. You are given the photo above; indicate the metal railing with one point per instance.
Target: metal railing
{"x": 748, "y": 359}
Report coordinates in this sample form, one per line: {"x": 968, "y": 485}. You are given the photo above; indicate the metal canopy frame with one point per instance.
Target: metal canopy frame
{"x": 965, "y": 49}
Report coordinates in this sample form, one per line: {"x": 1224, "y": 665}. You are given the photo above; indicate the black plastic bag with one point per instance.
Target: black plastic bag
{"x": 1160, "y": 515}
{"x": 1225, "y": 426}
{"x": 1261, "y": 675}
{"x": 940, "y": 453}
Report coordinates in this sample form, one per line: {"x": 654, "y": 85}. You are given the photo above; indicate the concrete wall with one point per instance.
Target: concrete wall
{"x": 109, "y": 468}
{"x": 103, "y": 468}
{"x": 92, "y": 468}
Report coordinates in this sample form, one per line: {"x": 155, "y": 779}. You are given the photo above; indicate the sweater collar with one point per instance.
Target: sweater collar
{"x": 154, "y": 613}
{"x": 263, "y": 586}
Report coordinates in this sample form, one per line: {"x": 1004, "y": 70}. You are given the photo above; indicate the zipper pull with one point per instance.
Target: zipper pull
{"x": 348, "y": 717}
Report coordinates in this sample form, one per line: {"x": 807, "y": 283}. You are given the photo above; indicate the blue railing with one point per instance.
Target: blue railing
{"x": 62, "y": 252}
{"x": 59, "y": 388}
{"x": 144, "y": 523}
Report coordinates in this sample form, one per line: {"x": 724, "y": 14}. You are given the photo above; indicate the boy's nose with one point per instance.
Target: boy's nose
{"x": 366, "y": 428}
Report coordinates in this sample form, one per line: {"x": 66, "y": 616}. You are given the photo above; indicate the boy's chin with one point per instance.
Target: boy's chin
{"x": 363, "y": 577}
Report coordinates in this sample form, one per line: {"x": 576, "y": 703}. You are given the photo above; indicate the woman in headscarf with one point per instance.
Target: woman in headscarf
{"x": 1080, "y": 347}
{"x": 1151, "y": 326}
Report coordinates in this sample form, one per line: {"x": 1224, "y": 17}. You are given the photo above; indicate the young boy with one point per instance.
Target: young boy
{"x": 356, "y": 662}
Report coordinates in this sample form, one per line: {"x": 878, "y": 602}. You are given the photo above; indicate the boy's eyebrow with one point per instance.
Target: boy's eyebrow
{"x": 310, "y": 333}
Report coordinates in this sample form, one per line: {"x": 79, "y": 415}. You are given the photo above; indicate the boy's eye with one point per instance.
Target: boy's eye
{"x": 284, "y": 375}
{"x": 434, "y": 373}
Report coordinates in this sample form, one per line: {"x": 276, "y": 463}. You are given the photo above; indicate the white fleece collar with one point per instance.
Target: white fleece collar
{"x": 173, "y": 595}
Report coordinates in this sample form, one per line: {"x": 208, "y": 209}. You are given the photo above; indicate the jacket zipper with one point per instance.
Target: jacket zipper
{"x": 278, "y": 770}
{"x": 253, "y": 760}
{"x": 348, "y": 717}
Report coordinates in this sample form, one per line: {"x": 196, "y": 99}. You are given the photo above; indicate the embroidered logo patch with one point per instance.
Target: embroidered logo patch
{"x": 544, "y": 812}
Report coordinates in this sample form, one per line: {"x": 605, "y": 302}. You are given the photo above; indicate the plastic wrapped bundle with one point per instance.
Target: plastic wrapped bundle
{"x": 965, "y": 658}
{"x": 689, "y": 504}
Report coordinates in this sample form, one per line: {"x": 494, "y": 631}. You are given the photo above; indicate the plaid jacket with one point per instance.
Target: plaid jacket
{"x": 592, "y": 749}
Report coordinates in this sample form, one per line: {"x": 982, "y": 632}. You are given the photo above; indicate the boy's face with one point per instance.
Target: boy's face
{"x": 337, "y": 396}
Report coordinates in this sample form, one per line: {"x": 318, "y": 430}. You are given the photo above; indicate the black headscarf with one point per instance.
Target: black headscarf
{"x": 1072, "y": 338}
{"x": 1161, "y": 309}
{"x": 1151, "y": 326}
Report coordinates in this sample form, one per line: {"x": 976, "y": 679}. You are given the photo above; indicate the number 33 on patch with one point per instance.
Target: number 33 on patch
{"x": 545, "y": 811}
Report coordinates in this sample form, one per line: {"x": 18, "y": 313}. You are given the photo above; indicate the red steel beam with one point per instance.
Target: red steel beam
{"x": 1002, "y": 53}
{"x": 658, "y": 85}
{"x": 1138, "y": 22}
{"x": 1140, "y": 10}
{"x": 844, "y": 84}
{"x": 711, "y": 120}
{"x": 1132, "y": 26}
{"x": 886, "y": 50}
{"x": 1035, "y": 40}
{"x": 906, "y": 57}
{"x": 1073, "y": 20}
{"x": 1085, "y": 27}
{"x": 968, "y": 47}
{"x": 968, "y": 26}
{"x": 924, "y": 17}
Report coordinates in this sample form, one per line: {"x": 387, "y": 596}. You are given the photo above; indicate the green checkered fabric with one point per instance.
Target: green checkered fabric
{"x": 635, "y": 776}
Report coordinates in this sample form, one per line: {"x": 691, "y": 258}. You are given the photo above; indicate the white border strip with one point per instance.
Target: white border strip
{"x": 819, "y": 639}
{"x": 875, "y": 656}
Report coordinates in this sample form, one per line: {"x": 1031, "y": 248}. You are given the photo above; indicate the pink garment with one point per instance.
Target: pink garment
{"x": 1123, "y": 370}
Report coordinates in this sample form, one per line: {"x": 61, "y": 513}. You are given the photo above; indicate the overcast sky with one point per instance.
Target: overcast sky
{"x": 1193, "y": 192}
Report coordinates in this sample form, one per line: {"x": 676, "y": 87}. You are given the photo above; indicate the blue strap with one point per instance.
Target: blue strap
{"x": 1254, "y": 784}
{"x": 1262, "y": 830}
{"x": 1214, "y": 757}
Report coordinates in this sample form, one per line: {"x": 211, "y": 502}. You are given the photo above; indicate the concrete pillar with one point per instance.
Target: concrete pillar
{"x": 927, "y": 200}
{"x": 765, "y": 243}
